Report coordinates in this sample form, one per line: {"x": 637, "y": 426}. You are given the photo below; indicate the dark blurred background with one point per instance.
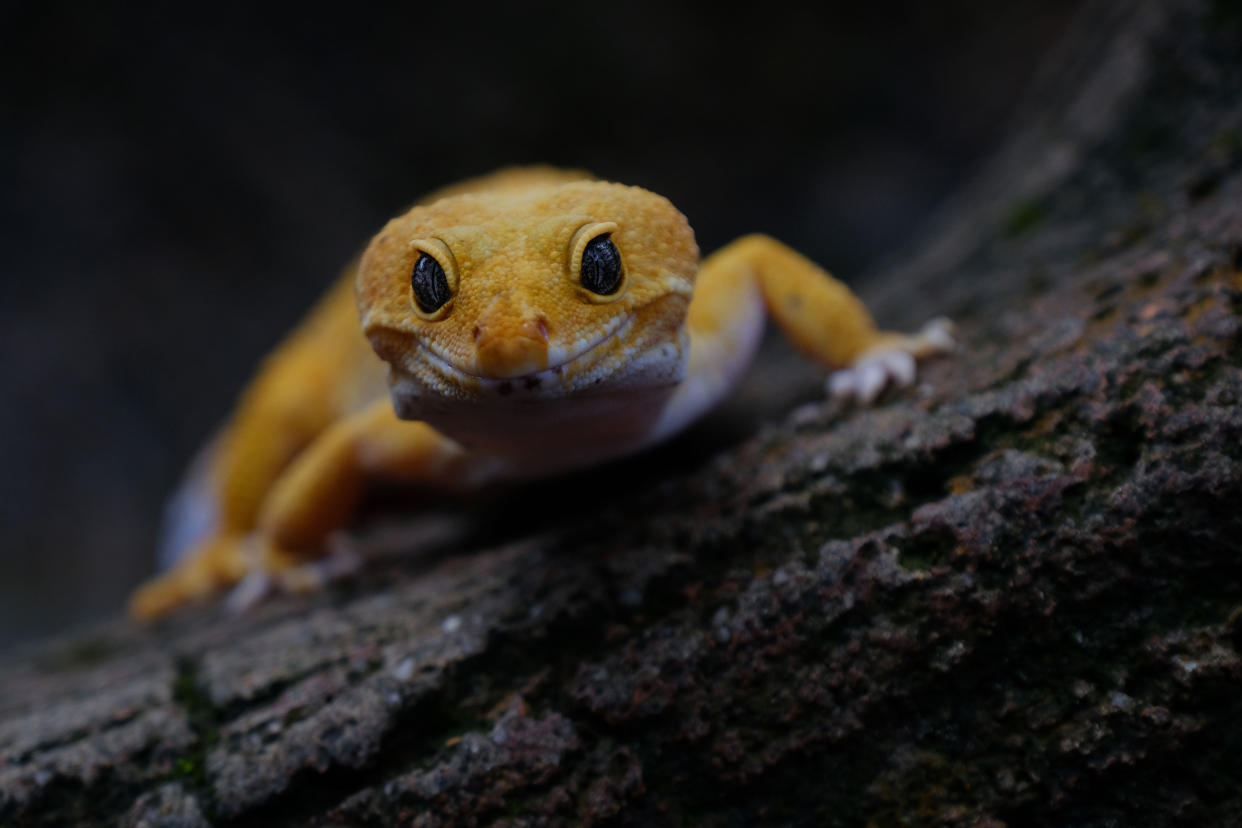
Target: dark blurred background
{"x": 180, "y": 183}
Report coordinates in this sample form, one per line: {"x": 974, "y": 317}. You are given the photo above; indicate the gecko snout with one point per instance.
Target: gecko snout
{"x": 513, "y": 350}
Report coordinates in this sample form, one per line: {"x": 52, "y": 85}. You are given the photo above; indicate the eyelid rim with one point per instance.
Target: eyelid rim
{"x": 443, "y": 254}
{"x": 583, "y": 236}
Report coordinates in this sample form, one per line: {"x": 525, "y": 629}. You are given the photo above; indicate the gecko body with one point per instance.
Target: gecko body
{"x": 526, "y": 323}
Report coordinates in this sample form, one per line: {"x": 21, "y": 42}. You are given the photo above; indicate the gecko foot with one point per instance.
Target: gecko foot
{"x": 340, "y": 561}
{"x": 893, "y": 362}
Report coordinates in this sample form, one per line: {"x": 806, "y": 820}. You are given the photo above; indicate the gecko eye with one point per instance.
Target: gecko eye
{"x": 601, "y": 266}
{"x": 431, "y": 288}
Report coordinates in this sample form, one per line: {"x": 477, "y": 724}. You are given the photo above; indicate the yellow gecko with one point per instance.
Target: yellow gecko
{"x": 529, "y": 322}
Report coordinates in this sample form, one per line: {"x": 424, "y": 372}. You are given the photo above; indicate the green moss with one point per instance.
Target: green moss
{"x": 927, "y": 550}
{"x": 80, "y": 653}
{"x": 204, "y": 720}
{"x": 1024, "y": 217}
{"x": 1228, "y": 141}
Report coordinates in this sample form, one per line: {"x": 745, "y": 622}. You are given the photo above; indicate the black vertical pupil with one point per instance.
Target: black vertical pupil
{"x": 431, "y": 288}
{"x": 601, "y": 266}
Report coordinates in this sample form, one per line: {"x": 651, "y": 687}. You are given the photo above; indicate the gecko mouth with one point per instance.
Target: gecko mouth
{"x": 556, "y": 375}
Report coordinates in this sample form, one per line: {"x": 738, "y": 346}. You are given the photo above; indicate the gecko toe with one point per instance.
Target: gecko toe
{"x": 248, "y": 592}
{"x": 939, "y": 335}
{"x": 867, "y": 377}
{"x": 842, "y": 385}
{"x": 900, "y": 367}
{"x": 872, "y": 377}
{"x": 340, "y": 562}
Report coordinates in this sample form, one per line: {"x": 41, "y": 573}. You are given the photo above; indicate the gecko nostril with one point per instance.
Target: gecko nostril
{"x": 476, "y": 332}
{"x": 542, "y": 327}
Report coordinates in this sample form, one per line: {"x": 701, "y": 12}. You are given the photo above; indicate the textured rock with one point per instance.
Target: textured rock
{"x": 1011, "y": 596}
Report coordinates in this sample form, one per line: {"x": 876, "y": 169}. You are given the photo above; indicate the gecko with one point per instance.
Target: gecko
{"x": 516, "y": 326}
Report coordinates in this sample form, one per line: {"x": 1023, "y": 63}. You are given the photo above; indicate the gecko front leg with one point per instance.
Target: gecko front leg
{"x": 819, "y": 314}
{"x": 314, "y": 497}
{"x": 737, "y": 283}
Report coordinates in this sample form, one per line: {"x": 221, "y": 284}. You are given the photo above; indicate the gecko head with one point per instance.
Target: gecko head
{"x": 493, "y": 301}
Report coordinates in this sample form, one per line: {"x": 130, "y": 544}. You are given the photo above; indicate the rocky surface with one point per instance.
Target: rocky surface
{"x": 1011, "y": 596}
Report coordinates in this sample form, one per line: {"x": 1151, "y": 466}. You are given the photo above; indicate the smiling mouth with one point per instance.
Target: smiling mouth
{"x": 553, "y": 375}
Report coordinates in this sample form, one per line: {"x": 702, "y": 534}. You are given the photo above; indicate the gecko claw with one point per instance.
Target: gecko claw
{"x": 868, "y": 376}
{"x": 340, "y": 562}
{"x": 248, "y": 592}
{"x": 893, "y": 363}
{"x": 938, "y": 336}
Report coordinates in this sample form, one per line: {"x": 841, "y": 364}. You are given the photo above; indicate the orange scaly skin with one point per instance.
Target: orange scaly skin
{"x": 523, "y": 372}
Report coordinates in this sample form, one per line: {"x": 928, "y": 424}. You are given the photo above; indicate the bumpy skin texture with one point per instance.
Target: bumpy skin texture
{"x": 523, "y": 372}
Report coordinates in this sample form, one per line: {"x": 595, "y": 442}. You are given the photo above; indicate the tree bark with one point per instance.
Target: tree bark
{"x": 1011, "y": 596}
